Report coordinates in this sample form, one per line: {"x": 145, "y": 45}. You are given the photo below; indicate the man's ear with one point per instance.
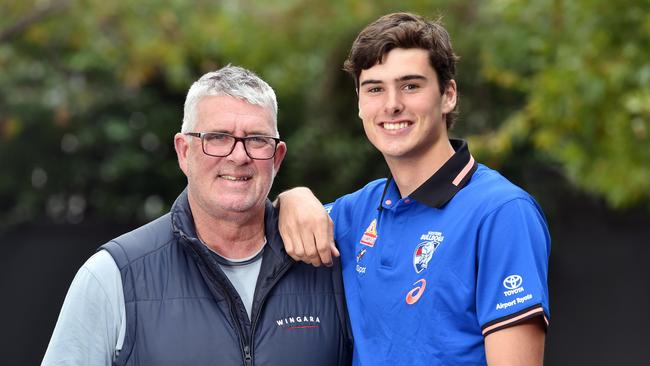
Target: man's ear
{"x": 182, "y": 147}
{"x": 449, "y": 98}
{"x": 280, "y": 153}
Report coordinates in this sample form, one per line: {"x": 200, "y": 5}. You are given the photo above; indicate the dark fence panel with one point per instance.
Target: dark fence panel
{"x": 599, "y": 272}
{"x": 38, "y": 263}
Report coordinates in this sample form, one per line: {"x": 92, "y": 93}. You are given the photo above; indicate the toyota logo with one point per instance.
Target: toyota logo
{"x": 512, "y": 282}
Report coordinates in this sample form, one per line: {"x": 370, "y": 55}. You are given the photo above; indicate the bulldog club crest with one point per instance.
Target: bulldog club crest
{"x": 424, "y": 251}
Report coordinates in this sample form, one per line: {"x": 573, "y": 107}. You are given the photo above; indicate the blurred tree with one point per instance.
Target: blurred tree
{"x": 92, "y": 93}
{"x": 584, "y": 68}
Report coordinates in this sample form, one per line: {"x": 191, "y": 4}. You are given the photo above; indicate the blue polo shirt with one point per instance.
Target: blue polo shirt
{"x": 428, "y": 276}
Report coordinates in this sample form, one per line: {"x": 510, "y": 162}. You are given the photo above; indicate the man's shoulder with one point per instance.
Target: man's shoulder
{"x": 101, "y": 265}
{"x": 488, "y": 192}
{"x": 91, "y": 318}
{"x": 489, "y": 185}
{"x": 141, "y": 241}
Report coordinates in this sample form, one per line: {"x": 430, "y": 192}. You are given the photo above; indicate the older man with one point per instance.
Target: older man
{"x": 208, "y": 283}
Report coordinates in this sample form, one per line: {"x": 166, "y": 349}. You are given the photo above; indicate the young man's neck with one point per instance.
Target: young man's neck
{"x": 410, "y": 173}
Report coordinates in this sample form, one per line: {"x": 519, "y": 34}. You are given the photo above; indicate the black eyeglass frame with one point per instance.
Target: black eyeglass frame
{"x": 243, "y": 140}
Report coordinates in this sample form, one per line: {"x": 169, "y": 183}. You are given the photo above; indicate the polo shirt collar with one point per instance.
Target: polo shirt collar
{"x": 443, "y": 185}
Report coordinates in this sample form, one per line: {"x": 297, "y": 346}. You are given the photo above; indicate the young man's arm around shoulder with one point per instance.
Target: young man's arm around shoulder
{"x": 306, "y": 228}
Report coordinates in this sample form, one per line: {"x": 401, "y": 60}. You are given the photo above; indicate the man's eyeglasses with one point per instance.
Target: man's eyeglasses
{"x": 222, "y": 144}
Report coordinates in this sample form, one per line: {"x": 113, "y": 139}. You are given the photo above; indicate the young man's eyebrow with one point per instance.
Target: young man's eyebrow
{"x": 370, "y": 81}
{"x": 411, "y": 77}
{"x": 401, "y": 78}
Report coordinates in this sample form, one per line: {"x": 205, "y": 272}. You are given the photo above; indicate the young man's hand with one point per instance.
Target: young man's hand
{"x": 305, "y": 227}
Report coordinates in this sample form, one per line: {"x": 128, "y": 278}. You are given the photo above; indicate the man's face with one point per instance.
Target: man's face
{"x": 234, "y": 183}
{"x": 401, "y": 105}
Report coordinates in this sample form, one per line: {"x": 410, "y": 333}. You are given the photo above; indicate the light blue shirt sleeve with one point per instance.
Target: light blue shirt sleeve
{"x": 91, "y": 326}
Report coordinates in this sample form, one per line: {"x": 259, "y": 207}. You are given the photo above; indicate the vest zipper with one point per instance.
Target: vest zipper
{"x": 248, "y": 359}
{"x": 247, "y": 348}
{"x": 256, "y": 316}
{"x": 244, "y": 343}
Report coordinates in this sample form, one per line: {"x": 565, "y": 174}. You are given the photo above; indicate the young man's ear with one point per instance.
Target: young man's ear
{"x": 449, "y": 98}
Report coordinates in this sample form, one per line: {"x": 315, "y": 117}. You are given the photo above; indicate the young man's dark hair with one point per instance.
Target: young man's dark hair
{"x": 404, "y": 30}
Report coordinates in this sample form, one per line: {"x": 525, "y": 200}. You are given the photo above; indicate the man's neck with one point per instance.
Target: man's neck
{"x": 410, "y": 173}
{"x": 234, "y": 235}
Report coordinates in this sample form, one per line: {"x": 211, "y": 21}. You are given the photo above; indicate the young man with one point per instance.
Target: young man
{"x": 208, "y": 283}
{"x": 446, "y": 261}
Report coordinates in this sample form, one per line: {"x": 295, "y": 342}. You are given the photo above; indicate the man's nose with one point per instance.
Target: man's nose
{"x": 238, "y": 154}
{"x": 394, "y": 104}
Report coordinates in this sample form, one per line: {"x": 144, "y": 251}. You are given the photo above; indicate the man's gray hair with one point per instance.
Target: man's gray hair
{"x": 232, "y": 81}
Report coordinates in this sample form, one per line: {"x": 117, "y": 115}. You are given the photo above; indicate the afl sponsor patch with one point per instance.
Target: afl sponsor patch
{"x": 370, "y": 235}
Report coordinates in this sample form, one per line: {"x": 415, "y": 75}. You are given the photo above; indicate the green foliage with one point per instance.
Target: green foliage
{"x": 92, "y": 93}
{"x": 584, "y": 68}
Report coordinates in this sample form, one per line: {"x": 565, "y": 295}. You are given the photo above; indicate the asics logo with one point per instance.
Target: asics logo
{"x": 414, "y": 295}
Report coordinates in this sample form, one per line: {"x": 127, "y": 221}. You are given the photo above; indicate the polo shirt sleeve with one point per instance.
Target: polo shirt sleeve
{"x": 340, "y": 215}
{"x": 329, "y": 207}
{"x": 90, "y": 327}
{"x": 513, "y": 252}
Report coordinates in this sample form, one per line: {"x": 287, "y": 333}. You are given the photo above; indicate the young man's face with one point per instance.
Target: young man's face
{"x": 401, "y": 105}
{"x": 233, "y": 183}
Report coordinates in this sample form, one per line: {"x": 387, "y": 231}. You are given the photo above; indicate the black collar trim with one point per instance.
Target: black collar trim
{"x": 443, "y": 185}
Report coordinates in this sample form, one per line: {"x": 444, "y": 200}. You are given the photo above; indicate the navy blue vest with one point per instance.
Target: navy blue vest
{"x": 182, "y": 310}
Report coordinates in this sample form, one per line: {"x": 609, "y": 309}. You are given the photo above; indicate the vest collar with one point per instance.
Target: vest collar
{"x": 183, "y": 224}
